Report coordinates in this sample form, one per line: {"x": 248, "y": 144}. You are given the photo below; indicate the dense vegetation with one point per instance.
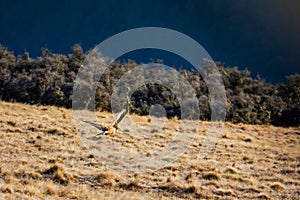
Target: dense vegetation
{"x": 49, "y": 80}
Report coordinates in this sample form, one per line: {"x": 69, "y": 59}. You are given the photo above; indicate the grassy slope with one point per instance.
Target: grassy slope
{"x": 41, "y": 157}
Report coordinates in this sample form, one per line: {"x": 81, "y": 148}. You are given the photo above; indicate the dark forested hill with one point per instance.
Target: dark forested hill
{"x": 262, "y": 36}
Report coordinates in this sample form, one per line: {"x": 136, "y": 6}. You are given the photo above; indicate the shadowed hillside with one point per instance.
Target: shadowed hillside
{"x": 42, "y": 157}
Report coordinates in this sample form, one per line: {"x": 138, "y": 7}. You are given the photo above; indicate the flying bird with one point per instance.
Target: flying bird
{"x": 113, "y": 127}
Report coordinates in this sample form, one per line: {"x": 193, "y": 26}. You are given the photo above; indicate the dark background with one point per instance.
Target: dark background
{"x": 261, "y": 35}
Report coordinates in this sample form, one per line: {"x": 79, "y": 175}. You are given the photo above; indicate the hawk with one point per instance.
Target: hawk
{"x": 113, "y": 127}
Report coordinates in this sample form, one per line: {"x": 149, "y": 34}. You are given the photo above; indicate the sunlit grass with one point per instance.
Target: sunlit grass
{"x": 42, "y": 157}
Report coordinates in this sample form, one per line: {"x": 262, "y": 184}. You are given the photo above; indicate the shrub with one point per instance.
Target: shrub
{"x": 49, "y": 79}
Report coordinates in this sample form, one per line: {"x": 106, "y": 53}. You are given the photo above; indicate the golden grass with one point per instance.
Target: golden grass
{"x": 277, "y": 186}
{"x": 212, "y": 176}
{"x": 42, "y": 157}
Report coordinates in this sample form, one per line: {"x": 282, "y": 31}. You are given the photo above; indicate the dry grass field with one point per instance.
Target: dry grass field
{"x": 42, "y": 157}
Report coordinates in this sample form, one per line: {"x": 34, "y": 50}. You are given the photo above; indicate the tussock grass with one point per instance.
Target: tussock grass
{"x": 212, "y": 176}
{"x": 42, "y": 157}
{"x": 263, "y": 196}
{"x": 277, "y": 186}
{"x": 231, "y": 170}
{"x": 224, "y": 192}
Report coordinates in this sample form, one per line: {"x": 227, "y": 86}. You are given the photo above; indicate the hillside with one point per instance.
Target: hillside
{"x": 50, "y": 79}
{"x": 42, "y": 157}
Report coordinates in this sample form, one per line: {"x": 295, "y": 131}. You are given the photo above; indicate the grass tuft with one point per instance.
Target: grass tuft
{"x": 56, "y": 173}
{"x": 277, "y": 186}
{"x": 50, "y": 188}
{"x": 231, "y": 170}
{"x": 212, "y": 176}
{"x": 263, "y": 196}
{"x": 224, "y": 192}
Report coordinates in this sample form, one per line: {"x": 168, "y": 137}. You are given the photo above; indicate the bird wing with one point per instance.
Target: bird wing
{"x": 101, "y": 128}
{"x": 119, "y": 118}
{"x": 113, "y": 126}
